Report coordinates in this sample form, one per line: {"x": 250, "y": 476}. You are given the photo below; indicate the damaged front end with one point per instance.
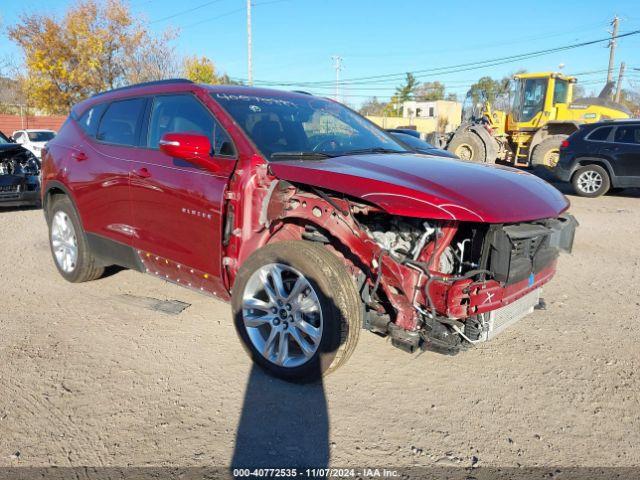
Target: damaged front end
{"x": 473, "y": 279}
{"x": 427, "y": 284}
{"x": 19, "y": 176}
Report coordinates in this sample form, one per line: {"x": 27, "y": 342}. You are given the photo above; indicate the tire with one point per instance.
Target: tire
{"x": 547, "y": 152}
{"x": 468, "y": 146}
{"x": 591, "y": 181}
{"x": 63, "y": 240}
{"x": 331, "y": 305}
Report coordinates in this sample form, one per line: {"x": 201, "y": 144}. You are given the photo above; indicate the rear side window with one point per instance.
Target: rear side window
{"x": 185, "y": 114}
{"x": 600, "y": 134}
{"x": 627, "y": 134}
{"x": 119, "y": 123}
{"x": 90, "y": 119}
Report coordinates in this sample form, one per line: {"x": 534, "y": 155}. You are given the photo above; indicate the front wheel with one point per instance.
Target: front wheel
{"x": 296, "y": 310}
{"x": 547, "y": 152}
{"x": 591, "y": 181}
{"x": 468, "y": 146}
{"x": 69, "y": 247}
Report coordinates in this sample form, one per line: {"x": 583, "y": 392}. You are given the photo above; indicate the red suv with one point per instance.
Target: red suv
{"x": 310, "y": 219}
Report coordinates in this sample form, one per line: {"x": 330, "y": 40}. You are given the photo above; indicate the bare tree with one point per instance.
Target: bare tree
{"x": 155, "y": 60}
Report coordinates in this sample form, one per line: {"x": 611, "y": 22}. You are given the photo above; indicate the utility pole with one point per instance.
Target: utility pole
{"x": 612, "y": 48}
{"x": 337, "y": 64}
{"x": 620, "y": 77}
{"x": 249, "y": 46}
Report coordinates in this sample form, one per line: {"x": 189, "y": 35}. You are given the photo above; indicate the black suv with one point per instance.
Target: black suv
{"x": 601, "y": 156}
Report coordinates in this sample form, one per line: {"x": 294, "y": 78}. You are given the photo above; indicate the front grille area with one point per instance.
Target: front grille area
{"x": 526, "y": 247}
{"x": 498, "y": 320}
{"x": 517, "y": 251}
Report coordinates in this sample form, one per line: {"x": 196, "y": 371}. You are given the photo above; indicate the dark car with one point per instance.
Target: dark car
{"x": 601, "y": 156}
{"x": 311, "y": 220}
{"x": 418, "y": 145}
{"x": 19, "y": 175}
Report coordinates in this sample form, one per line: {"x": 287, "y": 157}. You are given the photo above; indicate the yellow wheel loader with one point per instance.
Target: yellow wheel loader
{"x": 543, "y": 113}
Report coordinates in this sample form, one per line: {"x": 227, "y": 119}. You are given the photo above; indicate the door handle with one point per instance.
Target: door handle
{"x": 79, "y": 156}
{"x": 142, "y": 172}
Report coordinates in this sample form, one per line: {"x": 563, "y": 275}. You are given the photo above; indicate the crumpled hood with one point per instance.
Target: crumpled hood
{"x": 431, "y": 187}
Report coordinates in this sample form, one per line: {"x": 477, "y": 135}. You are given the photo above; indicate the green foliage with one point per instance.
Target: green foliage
{"x": 429, "y": 91}
{"x": 405, "y": 92}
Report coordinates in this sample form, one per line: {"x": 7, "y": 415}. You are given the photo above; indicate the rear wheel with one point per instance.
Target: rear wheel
{"x": 591, "y": 181}
{"x": 296, "y": 310}
{"x": 69, "y": 247}
{"x": 547, "y": 152}
{"x": 468, "y": 146}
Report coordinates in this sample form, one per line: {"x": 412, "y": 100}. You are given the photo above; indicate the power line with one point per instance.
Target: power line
{"x": 193, "y": 9}
{"x": 231, "y": 12}
{"x": 456, "y": 68}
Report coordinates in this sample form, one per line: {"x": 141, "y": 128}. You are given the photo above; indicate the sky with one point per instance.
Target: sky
{"x": 294, "y": 40}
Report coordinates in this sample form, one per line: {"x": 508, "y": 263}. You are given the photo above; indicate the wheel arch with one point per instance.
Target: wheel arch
{"x": 54, "y": 188}
{"x": 584, "y": 161}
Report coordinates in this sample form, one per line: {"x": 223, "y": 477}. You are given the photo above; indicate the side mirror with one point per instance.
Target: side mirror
{"x": 192, "y": 147}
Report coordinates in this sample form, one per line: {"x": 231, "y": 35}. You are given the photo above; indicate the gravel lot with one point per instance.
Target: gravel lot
{"x": 89, "y": 377}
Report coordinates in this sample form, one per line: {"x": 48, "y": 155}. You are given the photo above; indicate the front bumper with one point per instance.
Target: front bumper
{"x": 20, "y": 198}
{"x": 565, "y": 168}
{"x": 520, "y": 264}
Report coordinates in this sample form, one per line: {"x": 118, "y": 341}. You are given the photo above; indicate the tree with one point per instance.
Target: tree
{"x": 203, "y": 70}
{"x": 493, "y": 91}
{"x": 429, "y": 91}
{"x": 631, "y": 99}
{"x": 405, "y": 92}
{"x": 96, "y": 46}
{"x": 578, "y": 91}
{"x": 372, "y": 107}
{"x": 156, "y": 59}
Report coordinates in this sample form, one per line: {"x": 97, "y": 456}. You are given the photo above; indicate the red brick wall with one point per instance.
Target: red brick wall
{"x": 11, "y": 123}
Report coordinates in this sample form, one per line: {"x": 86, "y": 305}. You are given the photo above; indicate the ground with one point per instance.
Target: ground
{"x": 89, "y": 377}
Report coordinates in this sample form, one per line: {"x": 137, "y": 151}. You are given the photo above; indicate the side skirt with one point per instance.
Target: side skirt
{"x": 109, "y": 252}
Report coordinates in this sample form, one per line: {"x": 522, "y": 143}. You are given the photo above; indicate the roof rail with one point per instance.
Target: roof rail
{"x": 302, "y": 92}
{"x": 146, "y": 84}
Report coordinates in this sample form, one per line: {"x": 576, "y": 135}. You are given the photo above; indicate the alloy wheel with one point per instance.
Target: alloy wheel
{"x": 64, "y": 242}
{"x": 282, "y": 315}
{"x": 589, "y": 181}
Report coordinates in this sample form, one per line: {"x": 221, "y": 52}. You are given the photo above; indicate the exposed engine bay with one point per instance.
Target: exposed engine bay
{"x": 19, "y": 176}
{"x": 486, "y": 259}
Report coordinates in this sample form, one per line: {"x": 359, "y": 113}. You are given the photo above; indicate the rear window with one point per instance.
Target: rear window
{"x": 90, "y": 119}
{"x": 120, "y": 123}
{"x": 627, "y": 134}
{"x": 600, "y": 134}
{"x": 43, "y": 136}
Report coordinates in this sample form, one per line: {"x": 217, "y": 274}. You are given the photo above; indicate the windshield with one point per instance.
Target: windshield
{"x": 411, "y": 141}
{"x": 3, "y": 139}
{"x": 296, "y": 124}
{"x": 529, "y": 98}
{"x": 41, "y": 136}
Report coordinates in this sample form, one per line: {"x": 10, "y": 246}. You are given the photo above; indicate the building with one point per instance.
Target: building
{"x": 426, "y": 117}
